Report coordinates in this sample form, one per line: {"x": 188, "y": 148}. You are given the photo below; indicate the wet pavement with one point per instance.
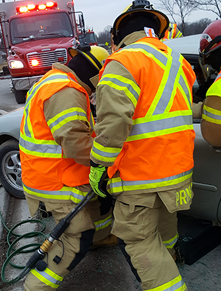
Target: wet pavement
{"x": 104, "y": 268}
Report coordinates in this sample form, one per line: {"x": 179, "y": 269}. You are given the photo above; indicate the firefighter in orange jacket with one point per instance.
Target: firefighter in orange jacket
{"x": 144, "y": 142}
{"x": 55, "y": 141}
{"x": 172, "y": 32}
{"x": 210, "y": 54}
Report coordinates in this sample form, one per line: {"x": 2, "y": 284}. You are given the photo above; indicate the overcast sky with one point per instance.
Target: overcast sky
{"x": 100, "y": 13}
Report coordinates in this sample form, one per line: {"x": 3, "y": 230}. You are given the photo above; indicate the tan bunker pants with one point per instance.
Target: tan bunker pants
{"x": 76, "y": 241}
{"x": 148, "y": 235}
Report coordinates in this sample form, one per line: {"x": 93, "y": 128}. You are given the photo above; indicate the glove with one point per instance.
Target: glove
{"x": 96, "y": 178}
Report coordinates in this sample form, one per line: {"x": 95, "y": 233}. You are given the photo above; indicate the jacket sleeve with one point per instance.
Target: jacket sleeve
{"x": 66, "y": 115}
{"x": 115, "y": 110}
{"x": 211, "y": 120}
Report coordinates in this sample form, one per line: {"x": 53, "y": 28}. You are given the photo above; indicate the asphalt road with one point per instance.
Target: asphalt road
{"x": 101, "y": 269}
{"x": 7, "y": 98}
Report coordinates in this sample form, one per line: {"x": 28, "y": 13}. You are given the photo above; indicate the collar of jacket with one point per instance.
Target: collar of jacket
{"x": 65, "y": 69}
{"x": 131, "y": 38}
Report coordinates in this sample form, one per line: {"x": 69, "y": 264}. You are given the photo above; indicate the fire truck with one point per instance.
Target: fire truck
{"x": 36, "y": 35}
{"x": 90, "y": 37}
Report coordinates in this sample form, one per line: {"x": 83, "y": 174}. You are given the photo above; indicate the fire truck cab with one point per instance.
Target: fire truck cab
{"x": 36, "y": 35}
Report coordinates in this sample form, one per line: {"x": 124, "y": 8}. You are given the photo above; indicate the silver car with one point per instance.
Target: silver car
{"x": 207, "y": 159}
{"x": 10, "y": 166}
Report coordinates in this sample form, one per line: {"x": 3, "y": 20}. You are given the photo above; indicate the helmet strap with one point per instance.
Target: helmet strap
{"x": 216, "y": 40}
{"x": 95, "y": 60}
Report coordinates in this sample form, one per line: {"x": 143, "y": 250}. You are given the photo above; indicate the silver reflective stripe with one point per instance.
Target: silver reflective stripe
{"x": 186, "y": 91}
{"x": 122, "y": 84}
{"x": 100, "y": 225}
{"x": 170, "y": 244}
{"x": 169, "y": 86}
{"x": 211, "y": 115}
{"x": 218, "y": 76}
{"x": 146, "y": 182}
{"x": 91, "y": 121}
{"x": 156, "y": 125}
{"x": 45, "y": 147}
{"x": 48, "y": 277}
{"x": 140, "y": 46}
{"x": 104, "y": 153}
{"x": 26, "y": 128}
{"x": 61, "y": 193}
{"x": 63, "y": 117}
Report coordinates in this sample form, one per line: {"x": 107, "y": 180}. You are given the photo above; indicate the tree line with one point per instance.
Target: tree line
{"x": 196, "y": 27}
{"x": 178, "y": 11}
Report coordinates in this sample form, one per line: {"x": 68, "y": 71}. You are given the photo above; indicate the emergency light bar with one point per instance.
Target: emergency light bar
{"x": 33, "y": 7}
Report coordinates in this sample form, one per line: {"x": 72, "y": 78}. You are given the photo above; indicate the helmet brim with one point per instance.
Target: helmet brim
{"x": 73, "y": 52}
{"x": 87, "y": 52}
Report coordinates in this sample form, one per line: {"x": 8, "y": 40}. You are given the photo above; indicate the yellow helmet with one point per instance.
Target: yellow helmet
{"x": 94, "y": 54}
{"x": 144, "y": 7}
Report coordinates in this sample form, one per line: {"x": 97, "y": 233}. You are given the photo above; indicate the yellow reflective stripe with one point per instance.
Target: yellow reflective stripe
{"x": 120, "y": 87}
{"x": 118, "y": 185}
{"x": 211, "y": 115}
{"x": 65, "y": 193}
{"x": 188, "y": 102}
{"x": 27, "y": 121}
{"x": 106, "y": 154}
{"x": 42, "y": 278}
{"x": 53, "y": 78}
{"x": 80, "y": 114}
{"x": 179, "y": 86}
{"x": 179, "y": 34}
{"x": 171, "y": 285}
{"x": 214, "y": 89}
{"x": 169, "y": 244}
{"x": 162, "y": 83}
{"x": 101, "y": 224}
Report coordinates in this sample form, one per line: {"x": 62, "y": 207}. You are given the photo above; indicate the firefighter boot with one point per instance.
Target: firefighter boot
{"x": 109, "y": 241}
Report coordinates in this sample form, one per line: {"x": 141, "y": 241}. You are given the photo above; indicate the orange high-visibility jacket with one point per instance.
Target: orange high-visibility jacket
{"x": 159, "y": 149}
{"x": 172, "y": 32}
{"x": 44, "y": 166}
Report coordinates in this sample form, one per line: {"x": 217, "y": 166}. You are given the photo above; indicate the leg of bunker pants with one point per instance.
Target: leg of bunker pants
{"x": 167, "y": 226}
{"x": 137, "y": 226}
{"x": 75, "y": 242}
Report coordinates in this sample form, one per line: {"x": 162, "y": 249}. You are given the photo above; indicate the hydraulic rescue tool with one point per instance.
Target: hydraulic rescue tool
{"x": 36, "y": 259}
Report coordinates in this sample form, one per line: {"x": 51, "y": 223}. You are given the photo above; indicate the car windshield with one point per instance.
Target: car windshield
{"x": 47, "y": 25}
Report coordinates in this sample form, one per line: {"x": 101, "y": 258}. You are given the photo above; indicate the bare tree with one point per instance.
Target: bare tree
{"x": 104, "y": 36}
{"x": 179, "y": 9}
{"x": 212, "y": 6}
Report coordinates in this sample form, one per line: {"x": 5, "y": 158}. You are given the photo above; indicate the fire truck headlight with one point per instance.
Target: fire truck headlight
{"x": 34, "y": 63}
{"x": 16, "y": 65}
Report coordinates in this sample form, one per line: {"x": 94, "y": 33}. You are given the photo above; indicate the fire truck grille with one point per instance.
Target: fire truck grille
{"x": 46, "y": 59}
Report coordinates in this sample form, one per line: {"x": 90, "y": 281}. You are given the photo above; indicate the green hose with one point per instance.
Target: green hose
{"x": 11, "y": 252}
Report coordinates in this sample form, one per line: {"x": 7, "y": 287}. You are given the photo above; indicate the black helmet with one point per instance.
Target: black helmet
{"x": 138, "y": 9}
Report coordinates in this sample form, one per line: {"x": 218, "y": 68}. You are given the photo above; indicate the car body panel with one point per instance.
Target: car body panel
{"x": 207, "y": 159}
{"x": 10, "y": 124}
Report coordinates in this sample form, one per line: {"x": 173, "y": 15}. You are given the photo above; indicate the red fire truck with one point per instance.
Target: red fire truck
{"x": 37, "y": 34}
{"x": 90, "y": 37}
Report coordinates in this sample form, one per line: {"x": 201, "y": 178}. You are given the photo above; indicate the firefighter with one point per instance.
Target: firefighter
{"x": 144, "y": 143}
{"x": 210, "y": 55}
{"x": 55, "y": 141}
{"x": 172, "y": 32}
